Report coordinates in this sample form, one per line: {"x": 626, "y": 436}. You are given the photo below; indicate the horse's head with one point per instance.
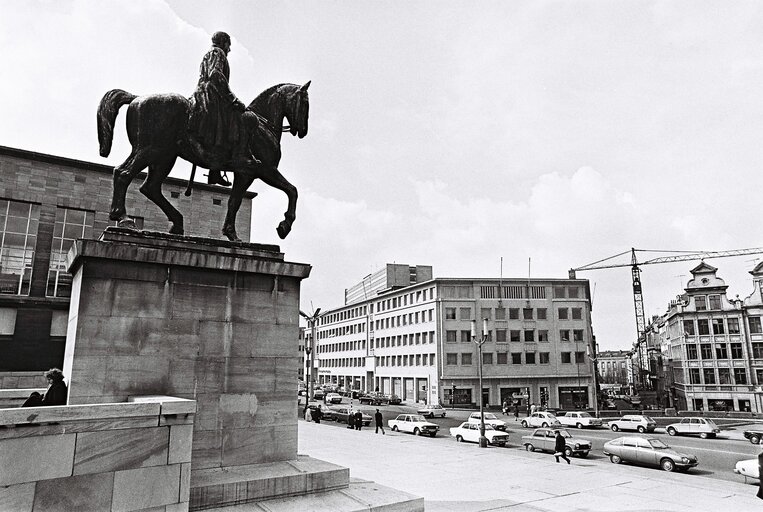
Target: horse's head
{"x": 297, "y": 109}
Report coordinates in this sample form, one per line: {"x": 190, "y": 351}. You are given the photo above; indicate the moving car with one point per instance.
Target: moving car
{"x": 748, "y": 468}
{"x": 342, "y": 415}
{"x": 648, "y": 451}
{"x": 579, "y": 420}
{"x": 318, "y": 394}
{"x": 541, "y": 419}
{"x": 490, "y": 419}
{"x": 544, "y": 439}
{"x": 702, "y": 426}
{"x": 471, "y": 432}
{"x": 413, "y": 423}
{"x": 754, "y": 436}
{"x": 432, "y": 410}
{"x": 637, "y": 422}
{"x": 333, "y": 398}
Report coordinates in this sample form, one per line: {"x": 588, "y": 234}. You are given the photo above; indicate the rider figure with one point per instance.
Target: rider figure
{"x": 217, "y": 120}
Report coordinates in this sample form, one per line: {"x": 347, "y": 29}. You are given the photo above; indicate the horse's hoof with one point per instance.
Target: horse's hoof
{"x": 127, "y": 223}
{"x": 283, "y": 229}
{"x": 231, "y": 235}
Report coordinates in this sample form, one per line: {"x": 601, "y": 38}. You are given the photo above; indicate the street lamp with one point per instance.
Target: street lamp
{"x": 595, "y": 364}
{"x": 480, "y": 341}
{"x": 310, "y": 349}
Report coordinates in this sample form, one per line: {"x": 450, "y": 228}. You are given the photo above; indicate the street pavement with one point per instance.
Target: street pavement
{"x": 465, "y": 478}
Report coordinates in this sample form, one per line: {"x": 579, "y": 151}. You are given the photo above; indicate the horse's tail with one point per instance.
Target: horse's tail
{"x": 107, "y": 115}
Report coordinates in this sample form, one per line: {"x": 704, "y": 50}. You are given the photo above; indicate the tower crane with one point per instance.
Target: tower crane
{"x": 635, "y": 265}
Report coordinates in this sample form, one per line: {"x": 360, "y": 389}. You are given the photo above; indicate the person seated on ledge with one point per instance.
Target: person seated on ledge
{"x": 56, "y": 393}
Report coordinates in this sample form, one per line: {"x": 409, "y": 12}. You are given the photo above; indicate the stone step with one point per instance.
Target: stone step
{"x": 359, "y": 496}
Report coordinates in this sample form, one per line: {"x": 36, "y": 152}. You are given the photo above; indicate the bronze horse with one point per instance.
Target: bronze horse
{"x": 157, "y": 130}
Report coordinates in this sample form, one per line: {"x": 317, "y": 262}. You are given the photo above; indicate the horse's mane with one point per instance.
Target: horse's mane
{"x": 259, "y": 103}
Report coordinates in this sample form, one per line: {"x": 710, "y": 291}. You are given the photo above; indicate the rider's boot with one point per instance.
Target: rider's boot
{"x": 216, "y": 178}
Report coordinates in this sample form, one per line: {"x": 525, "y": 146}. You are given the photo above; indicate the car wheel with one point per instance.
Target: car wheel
{"x": 672, "y": 431}
{"x": 641, "y": 429}
{"x": 584, "y": 454}
{"x": 754, "y": 439}
{"x": 579, "y": 425}
{"x": 667, "y": 465}
{"x": 416, "y": 432}
{"x": 433, "y": 434}
{"x": 529, "y": 447}
{"x": 459, "y": 439}
{"x": 394, "y": 429}
{"x": 568, "y": 451}
{"x": 615, "y": 428}
{"x": 615, "y": 459}
{"x": 524, "y": 424}
{"x": 545, "y": 424}
{"x": 703, "y": 435}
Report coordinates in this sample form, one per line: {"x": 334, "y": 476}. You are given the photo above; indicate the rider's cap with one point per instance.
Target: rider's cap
{"x": 219, "y": 38}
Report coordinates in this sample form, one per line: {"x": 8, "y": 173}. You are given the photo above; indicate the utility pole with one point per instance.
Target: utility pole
{"x": 310, "y": 349}
{"x": 480, "y": 341}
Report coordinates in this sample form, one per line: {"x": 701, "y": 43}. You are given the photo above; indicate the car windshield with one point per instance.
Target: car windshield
{"x": 585, "y": 415}
{"x": 649, "y": 419}
{"x": 657, "y": 444}
{"x": 417, "y": 417}
{"x": 489, "y": 427}
{"x": 490, "y": 416}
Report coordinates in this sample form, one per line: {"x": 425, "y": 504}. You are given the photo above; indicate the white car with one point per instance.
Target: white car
{"x": 541, "y": 419}
{"x": 490, "y": 419}
{"x": 432, "y": 410}
{"x": 748, "y": 468}
{"x": 471, "y": 432}
{"x": 333, "y": 398}
{"x": 413, "y": 423}
{"x": 694, "y": 425}
{"x": 579, "y": 420}
{"x": 638, "y": 422}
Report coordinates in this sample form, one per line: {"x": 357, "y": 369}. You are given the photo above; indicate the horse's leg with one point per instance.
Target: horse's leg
{"x": 123, "y": 176}
{"x": 274, "y": 178}
{"x": 152, "y": 189}
{"x": 241, "y": 183}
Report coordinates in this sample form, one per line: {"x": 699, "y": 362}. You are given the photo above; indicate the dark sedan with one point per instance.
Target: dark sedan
{"x": 342, "y": 415}
{"x": 754, "y": 436}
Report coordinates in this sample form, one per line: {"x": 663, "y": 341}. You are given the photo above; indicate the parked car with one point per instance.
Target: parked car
{"x": 648, "y": 451}
{"x": 633, "y": 399}
{"x": 691, "y": 425}
{"x": 394, "y": 400}
{"x": 579, "y": 420}
{"x": 541, "y": 419}
{"x": 544, "y": 439}
{"x": 328, "y": 414}
{"x": 373, "y": 399}
{"x": 471, "y": 432}
{"x": 490, "y": 419}
{"x": 413, "y": 423}
{"x": 318, "y": 394}
{"x": 637, "y": 422}
{"x": 610, "y": 404}
{"x": 754, "y": 436}
{"x": 748, "y": 468}
{"x": 432, "y": 410}
{"x": 342, "y": 415}
{"x": 333, "y": 398}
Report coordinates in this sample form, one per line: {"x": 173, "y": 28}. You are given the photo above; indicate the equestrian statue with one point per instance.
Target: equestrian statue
{"x": 213, "y": 130}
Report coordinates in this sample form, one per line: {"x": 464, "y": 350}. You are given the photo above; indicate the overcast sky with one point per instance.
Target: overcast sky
{"x": 447, "y": 133}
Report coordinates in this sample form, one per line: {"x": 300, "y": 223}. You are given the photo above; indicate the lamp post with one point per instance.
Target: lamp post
{"x": 480, "y": 341}
{"x": 310, "y": 349}
{"x": 595, "y": 364}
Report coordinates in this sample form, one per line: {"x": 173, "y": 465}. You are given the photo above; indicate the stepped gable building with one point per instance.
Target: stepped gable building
{"x": 415, "y": 342}
{"x": 47, "y": 202}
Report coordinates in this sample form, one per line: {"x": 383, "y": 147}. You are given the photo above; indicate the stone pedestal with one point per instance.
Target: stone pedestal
{"x": 212, "y": 321}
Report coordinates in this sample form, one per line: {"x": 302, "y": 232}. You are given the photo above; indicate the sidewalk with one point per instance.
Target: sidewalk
{"x": 459, "y": 477}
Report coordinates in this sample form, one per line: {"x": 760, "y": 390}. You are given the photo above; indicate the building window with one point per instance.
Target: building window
{"x": 736, "y": 351}
{"x": 466, "y": 336}
{"x": 714, "y": 301}
{"x": 577, "y": 313}
{"x": 529, "y": 357}
{"x": 724, "y": 376}
{"x": 516, "y": 358}
{"x": 559, "y": 292}
{"x": 757, "y": 353}
{"x": 541, "y": 312}
{"x": 577, "y": 334}
{"x": 529, "y": 335}
{"x": 465, "y": 313}
{"x": 514, "y": 335}
{"x": 689, "y": 327}
{"x": 450, "y": 336}
{"x": 544, "y": 358}
{"x": 733, "y": 325}
{"x": 500, "y": 313}
{"x": 513, "y": 313}
{"x": 700, "y": 303}
{"x": 562, "y": 313}
{"x": 694, "y": 376}
{"x": 450, "y": 313}
{"x": 69, "y": 226}
{"x": 500, "y": 335}
{"x": 451, "y": 359}
{"x": 721, "y": 352}
{"x": 755, "y": 325}
{"x": 487, "y": 358}
{"x": 572, "y": 292}
{"x": 485, "y": 313}
{"x": 564, "y": 335}
{"x": 466, "y": 359}
{"x": 706, "y": 351}
{"x": 703, "y": 327}
{"x": 740, "y": 375}
{"x": 709, "y": 375}
{"x": 19, "y": 223}
{"x": 718, "y": 327}
{"x": 543, "y": 335}
{"x": 502, "y": 358}
{"x": 527, "y": 313}
{"x": 579, "y": 357}
{"x": 567, "y": 357}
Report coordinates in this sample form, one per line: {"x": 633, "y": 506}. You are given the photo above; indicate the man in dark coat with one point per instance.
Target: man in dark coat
{"x": 358, "y": 420}
{"x": 559, "y": 445}
{"x": 351, "y": 419}
{"x": 317, "y": 414}
{"x": 379, "y": 420}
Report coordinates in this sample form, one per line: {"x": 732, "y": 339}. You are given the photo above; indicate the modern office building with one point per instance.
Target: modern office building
{"x": 416, "y": 342}
{"x": 47, "y": 202}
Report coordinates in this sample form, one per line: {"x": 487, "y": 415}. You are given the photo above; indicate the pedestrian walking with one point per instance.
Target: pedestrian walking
{"x": 318, "y": 414}
{"x": 559, "y": 447}
{"x": 532, "y": 408}
{"x": 358, "y": 420}
{"x": 516, "y": 412}
{"x": 505, "y": 408}
{"x": 379, "y": 422}
{"x": 351, "y": 419}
